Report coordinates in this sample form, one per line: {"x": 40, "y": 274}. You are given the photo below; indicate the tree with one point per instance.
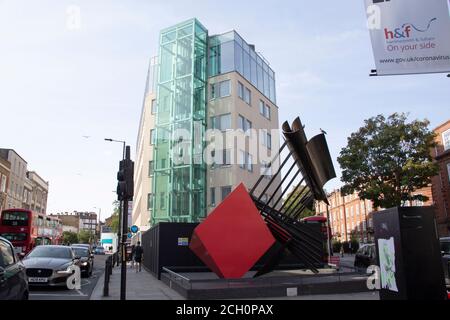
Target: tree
{"x": 115, "y": 223}
{"x": 85, "y": 236}
{"x": 388, "y": 159}
{"x": 69, "y": 237}
{"x": 308, "y": 211}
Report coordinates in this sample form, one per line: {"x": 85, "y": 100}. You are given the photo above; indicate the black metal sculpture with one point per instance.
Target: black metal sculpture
{"x": 313, "y": 161}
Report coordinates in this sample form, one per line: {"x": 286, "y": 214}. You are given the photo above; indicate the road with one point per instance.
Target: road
{"x": 87, "y": 286}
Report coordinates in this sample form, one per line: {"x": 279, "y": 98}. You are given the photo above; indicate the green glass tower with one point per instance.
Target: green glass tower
{"x": 179, "y": 183}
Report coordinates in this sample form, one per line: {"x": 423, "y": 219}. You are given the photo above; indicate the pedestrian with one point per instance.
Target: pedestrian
{"x": 138, "y": 252}
{"x": 133, "y": 248}
{"x": 342, "y": 251}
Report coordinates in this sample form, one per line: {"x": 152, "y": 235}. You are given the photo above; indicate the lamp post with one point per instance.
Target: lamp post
{"x": 121, "y": 209}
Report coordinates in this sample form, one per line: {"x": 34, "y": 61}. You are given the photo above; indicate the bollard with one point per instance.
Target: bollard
{"x": 107, "y": 274}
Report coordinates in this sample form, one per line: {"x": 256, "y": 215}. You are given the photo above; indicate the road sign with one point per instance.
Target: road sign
{"x": 134, "y": 229}
{"x": 130, "y": 235}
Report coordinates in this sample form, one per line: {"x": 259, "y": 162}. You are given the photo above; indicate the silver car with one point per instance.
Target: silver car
{"x": 49, "y": 265}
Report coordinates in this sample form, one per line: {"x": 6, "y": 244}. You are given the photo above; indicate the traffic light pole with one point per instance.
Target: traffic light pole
{"x": 123, "y": 279}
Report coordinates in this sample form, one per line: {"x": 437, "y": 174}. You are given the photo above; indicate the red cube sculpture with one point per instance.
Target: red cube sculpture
{"x": 233, "y": 237}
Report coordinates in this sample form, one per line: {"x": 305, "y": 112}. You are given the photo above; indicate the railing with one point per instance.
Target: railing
{"x": 108, "y": 272}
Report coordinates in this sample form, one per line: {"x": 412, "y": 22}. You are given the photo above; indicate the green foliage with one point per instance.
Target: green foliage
{"x": 300, "y": 190}
{"x": 388, "y": 159}
{"x": 115, "y": 217}
{"x": 85, "y": 236}
{"x": 69, "y": 237}
{"x": 336, "y": 245}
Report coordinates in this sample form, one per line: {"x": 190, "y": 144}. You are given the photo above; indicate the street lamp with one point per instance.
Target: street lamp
{"x": 120, "y": 141}
{"x": 99, "y": 222}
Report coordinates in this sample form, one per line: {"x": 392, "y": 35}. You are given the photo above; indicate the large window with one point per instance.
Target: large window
{"x": 3, "y": 183}
{"x": 221, "y": 89}
{"x": 244, "y": 124}
{"x": 149, "y": 201}
{"x": 264, "y": 109}
{"x": 225, "y": 192}
{"x": 150, "y": 168}
{"x": 245, "y": 161}
{"x": 241, "y": 90}
{"x": 222, "y": 122}
{"x": 213, "y": 197}
{"x": 446, "y": 139}
{"x": 247, "y": 96}
{"x": 154, "y": 106}
{"x": 152, "y": 137}
{"x": 266, "y": 139}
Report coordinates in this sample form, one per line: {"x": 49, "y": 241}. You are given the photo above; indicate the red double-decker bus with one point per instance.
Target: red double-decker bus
{"x": 27, "y": 229}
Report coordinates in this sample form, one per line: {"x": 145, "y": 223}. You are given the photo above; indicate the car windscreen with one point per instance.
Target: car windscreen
{"x": 80, "y": 252}
{"x": 50, "y": 252}
{"x": 445, "y": 247}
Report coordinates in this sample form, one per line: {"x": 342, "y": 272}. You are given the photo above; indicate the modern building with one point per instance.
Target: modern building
{"x": 215, "y": 111}
{"x": 352, "y": 217}
{"x": 142, "y": 200}
{"x": 5, "y": 169}
{"x": 441, "y": 182}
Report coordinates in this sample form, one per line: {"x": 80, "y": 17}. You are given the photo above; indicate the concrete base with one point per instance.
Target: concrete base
{"x": 206, "y": 285}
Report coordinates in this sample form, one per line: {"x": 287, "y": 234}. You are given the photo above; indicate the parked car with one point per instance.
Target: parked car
{"x": 13, "y": 279}
{"x": 84, "y": 245}
{"x": 86, "y": 260}
{"x": 445, "y": 250}
{"x": 99, "y": 251}
{"x": 366, "y": 256}
{"x": 47, "y": 265}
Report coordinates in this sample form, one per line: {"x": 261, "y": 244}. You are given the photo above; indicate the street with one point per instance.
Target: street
{"x": 61, "y": 293}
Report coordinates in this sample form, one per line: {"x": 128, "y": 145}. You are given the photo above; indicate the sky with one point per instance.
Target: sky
{"x": 68, "y": 83}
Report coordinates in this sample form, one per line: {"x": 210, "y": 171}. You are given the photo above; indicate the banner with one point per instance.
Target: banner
{"x": 409, "y": 36}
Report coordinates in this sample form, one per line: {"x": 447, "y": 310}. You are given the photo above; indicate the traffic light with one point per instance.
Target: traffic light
{"x": 125, "y": 185}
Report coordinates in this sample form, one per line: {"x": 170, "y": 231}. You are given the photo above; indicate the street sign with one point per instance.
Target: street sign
{"x": 134, "y": 229}
{"x": 130, "y": 235}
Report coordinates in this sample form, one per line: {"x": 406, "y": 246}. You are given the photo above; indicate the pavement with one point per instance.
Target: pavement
{"x": 140, "y": 286}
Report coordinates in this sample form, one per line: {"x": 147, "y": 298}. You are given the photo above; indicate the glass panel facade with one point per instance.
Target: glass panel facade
{"x": 228, "y": 52}
{"x": 179, "y": 171}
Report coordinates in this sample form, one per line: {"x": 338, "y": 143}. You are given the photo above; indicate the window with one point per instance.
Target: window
{"x": 3, "y": 184}
{"x": 162, "y": 200}
{"x": 149, "y": 201}
{"x": 225, "y": 192}
{"x": 267, "y": 111}
{"x": 266, "y": 139}
{"x": 226, "y": 157}
{"x": 245, "y": 125}
{"x": 266, "y": 169}
{"x": 241, "y": 90}
{"x": 213, "y": 197}
{"x": 261, "y": 107}
{"x": 448, "y": 170}
{"x": 154, "y": 106}
{"x": 220, "y": 89}
{"x": 446, "y": 139}
{"x": 247, "y": 96}
{"x": 264, "y": 109}
{"x": 245, "y": 161}
{"x": 152, "y": 137}
{"x": 6, "y": 255}
{"x": 222, "y": 122}
{"x": 150, "y": 168}
{"x": 249, "y": 162}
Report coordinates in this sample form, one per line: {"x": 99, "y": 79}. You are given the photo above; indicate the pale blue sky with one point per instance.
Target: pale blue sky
{"x": 57, "y": 85}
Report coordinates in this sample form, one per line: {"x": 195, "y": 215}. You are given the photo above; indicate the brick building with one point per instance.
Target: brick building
{"x": 5, "y": 168}
{"x": 351, "y": 216}
{"x": 441, "y": 182}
